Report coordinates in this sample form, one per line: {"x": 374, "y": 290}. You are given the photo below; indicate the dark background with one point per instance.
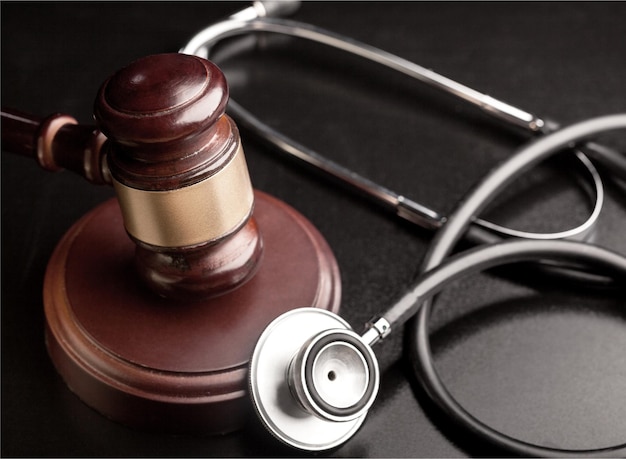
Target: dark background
{"x": 541, "y": 362}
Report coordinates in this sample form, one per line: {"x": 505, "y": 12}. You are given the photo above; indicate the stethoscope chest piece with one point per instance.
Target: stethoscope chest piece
{"x": 312, "y": 379}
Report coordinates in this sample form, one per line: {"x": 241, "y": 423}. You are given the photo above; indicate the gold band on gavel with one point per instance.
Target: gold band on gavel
{"x": 192, "y": 215}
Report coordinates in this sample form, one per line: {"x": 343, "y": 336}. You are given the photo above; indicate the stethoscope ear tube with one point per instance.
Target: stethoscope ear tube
{"x": 482, "y": 231}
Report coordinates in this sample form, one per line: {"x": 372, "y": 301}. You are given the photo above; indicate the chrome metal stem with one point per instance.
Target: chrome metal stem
{"x": 202, "y": 43}
{"x": 254, "y": 19}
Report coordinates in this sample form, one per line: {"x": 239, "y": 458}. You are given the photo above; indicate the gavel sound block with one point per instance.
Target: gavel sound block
{"x": 154, "y": 300}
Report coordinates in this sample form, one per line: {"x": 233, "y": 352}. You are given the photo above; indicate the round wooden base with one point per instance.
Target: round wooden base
{"x": 179, "y": 367}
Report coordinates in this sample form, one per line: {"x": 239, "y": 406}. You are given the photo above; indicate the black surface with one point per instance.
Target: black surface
{"x": 544, "y": 363}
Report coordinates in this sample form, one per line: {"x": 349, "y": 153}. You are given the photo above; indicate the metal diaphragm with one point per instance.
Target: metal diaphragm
{"x": 335, "y": 375}
{"x": 329, "y": 358}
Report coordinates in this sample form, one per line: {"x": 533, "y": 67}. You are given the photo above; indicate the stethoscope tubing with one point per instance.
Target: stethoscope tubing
{"x": 442, "y": 245}
{"x": 485, "y": 191}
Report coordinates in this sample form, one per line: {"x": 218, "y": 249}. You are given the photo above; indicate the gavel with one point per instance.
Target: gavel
{"x": 176, "y": 164}
{"x": 154, "y": 300}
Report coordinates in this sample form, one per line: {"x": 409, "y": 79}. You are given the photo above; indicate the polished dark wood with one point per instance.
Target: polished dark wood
{"x": 56, "y": 142}
{"x": 164, "y": 118}
{"x": 20, "y": 132}
{"x": 172, "y": 357}
{"x": 170, "y": 366}
{"x": 182, "y": 272}
{"x": 189, "y": 273}
{"x": 162, "y": 113}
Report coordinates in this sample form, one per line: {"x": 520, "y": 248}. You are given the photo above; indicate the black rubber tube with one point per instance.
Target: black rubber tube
{"x": 442, "y": 245}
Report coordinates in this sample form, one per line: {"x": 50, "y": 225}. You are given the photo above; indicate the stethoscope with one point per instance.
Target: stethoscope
{"x": 312, "y": 378}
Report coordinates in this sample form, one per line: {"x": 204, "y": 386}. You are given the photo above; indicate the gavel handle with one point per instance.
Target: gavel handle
{"x": 56, "y": 142}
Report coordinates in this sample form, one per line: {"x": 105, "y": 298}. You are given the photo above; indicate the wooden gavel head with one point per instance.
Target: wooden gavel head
{"x": 180, "y": 175}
